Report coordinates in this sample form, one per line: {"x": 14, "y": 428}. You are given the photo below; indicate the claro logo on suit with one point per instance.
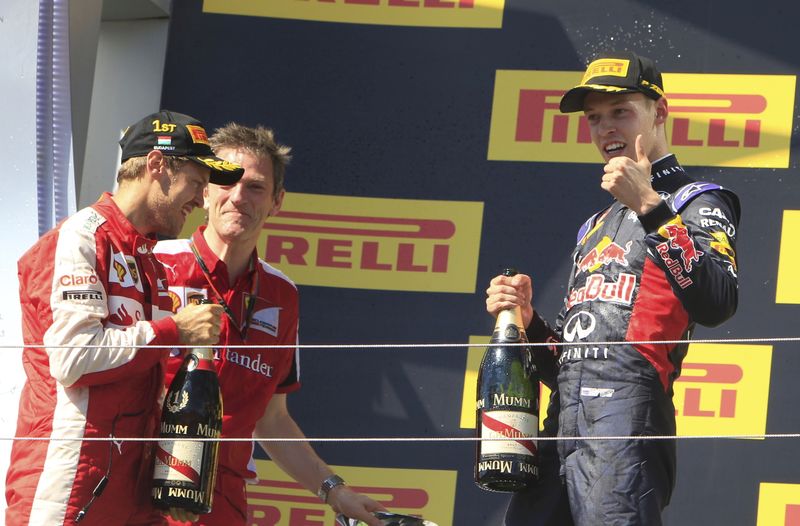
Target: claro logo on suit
{"x": 714, "y": 120}
{"x": 431, "y": 13}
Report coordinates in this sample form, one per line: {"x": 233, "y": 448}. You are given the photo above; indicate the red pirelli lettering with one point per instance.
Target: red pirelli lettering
{"x": 745, "y": 103}
{"x": 266, "y": 515}
{"x": 262, "y": 515}
{"x": 405, "y": 259}
{"x": 293, "y": 249}
{"x": 560, "y": 128}
{"x": 331, "y": 251}
{"x": 439, "y": 3}
{"x": 441, "y": 254}
{"x": 716, "y": 135}
{"x": 414, "y": 228}
{"x": 727, "y": 403}
{"x": 530, "y": 114}
{"x": 680, "y": 134}
{"x": 717, "y": 373}
{"x": 369, "y": 257}
{"x": 305, "y": 517}
{"x": 407, "y": 498}
{"x": 714, "y": 373}
{"x": 752, "y": 133}
{"x": 691, "y": 404}
{"x": 792, "y": 515}
{"x": 536, "y": 106}
{"x": 339, "y": 253}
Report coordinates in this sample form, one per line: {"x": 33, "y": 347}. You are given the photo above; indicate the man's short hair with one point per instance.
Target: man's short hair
{"x": 133, "y": 168}
{"x": 259, "y": 141}
{"x": 179, "y": 135}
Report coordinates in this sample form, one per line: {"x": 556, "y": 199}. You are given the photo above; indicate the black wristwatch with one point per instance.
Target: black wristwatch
{"x": 327, "y": 485}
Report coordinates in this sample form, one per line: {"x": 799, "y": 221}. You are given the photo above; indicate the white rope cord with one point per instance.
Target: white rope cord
{"x": 790, "y": 339}
{"x": 405, "y": 439}
{"x": 432, "y": 439}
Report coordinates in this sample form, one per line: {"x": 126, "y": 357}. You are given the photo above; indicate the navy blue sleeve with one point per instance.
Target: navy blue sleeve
{"x": 696, "y": 248}
{"x": 545, "y": 357}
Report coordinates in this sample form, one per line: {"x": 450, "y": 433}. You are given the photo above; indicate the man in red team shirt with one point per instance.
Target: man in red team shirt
{"x": 220, "y": 262}
{"x": 92, "y": 284}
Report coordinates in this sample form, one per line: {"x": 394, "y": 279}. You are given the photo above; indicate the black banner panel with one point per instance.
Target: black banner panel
{"x": 429, "y": 154}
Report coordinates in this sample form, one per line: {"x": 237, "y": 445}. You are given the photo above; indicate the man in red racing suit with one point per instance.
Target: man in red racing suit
{"x": 249, "y": 377}
{"x": 220, "y": 262}
{"x": 658, "y": 260}
{"x": 92, "y": 294}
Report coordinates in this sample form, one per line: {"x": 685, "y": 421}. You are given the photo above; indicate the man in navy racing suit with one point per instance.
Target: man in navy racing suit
{"x": 651, "y": 265}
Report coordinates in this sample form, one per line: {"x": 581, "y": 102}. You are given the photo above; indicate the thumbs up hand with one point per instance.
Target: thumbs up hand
{"x": 629, "y": 181}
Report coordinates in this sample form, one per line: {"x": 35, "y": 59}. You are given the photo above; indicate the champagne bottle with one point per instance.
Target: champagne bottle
{"x": 507, "y": 406}
{"x": 185, "y": 471}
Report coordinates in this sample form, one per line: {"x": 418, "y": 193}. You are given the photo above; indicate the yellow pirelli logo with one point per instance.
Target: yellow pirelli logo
{"x": 372, "y": 243}
{"x": 277, "y": 500}
{"x": 723, "y": 390}
{"x": 433, "y": 13}
{"x": 606, "y": 68}
{"x": 714, "y": 120}
{"x": 788, "y": 288}
{"x": 778, "y": 504}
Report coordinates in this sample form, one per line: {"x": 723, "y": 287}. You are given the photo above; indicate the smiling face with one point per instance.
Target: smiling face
{"x": 179, "y": 193}
{"x": 237, "y": 212}
{"x": 616, "y": 119}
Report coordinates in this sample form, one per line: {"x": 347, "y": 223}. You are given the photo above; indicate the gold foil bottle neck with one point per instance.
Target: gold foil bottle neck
{"x": 510, "y": 317}
{"x": 203, "y": 353}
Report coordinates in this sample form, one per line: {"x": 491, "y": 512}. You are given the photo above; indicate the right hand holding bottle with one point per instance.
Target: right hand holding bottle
{"x": 506, "y": 292}
{"x": 351, "y": 504}
{"x": 182, "y": 515}
{"x": 199, "y": 324}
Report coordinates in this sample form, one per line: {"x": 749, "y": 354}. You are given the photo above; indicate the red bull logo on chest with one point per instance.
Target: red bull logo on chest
{"x": 604, "y": 253}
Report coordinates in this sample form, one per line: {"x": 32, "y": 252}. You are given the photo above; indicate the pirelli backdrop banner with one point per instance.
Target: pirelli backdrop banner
{"x": 429, "y": 154}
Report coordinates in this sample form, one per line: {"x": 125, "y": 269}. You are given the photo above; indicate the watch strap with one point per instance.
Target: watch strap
{"x": 327, "y": 485}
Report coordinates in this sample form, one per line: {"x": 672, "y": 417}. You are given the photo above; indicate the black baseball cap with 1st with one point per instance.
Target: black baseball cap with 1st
{"x": 176, "y": 134}
{"x": 615, "y": 73}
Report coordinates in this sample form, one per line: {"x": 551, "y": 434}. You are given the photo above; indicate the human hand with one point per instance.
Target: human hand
{"x": 629, "y": 181}
{"x": 354, "y": 505}
{"x": 199, "y": 324}
{"x": 506, "y": 292}
{"x": 182, "y": 515}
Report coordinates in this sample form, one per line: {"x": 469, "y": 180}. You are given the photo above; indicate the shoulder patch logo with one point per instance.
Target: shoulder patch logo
{"x": 266, "y": 320}
{"x": 93, "y": 221}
